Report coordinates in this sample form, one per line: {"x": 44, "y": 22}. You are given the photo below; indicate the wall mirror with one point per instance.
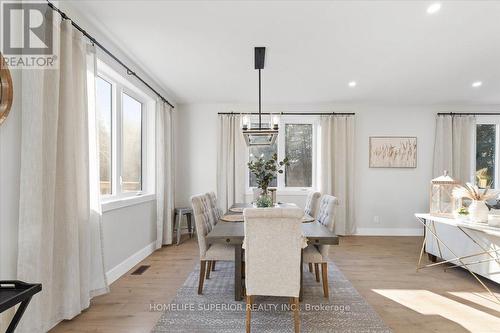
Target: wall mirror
{"x": 6, "y": 90}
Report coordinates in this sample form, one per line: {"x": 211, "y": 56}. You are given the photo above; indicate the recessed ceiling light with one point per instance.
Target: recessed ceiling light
{"x": 352, "y": 84}
{"x": 434, "y": 8}
{"x": 477, "y": 84}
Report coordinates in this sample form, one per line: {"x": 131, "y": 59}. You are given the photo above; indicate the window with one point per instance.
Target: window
{"x": 297, "y": 141}
{"x": 126, "y": 136}
{"x": 132, "y": 144}
{"x": 487, "y": 152}
{"x": 298, "y": 149}
{"x": 104, "y": 117}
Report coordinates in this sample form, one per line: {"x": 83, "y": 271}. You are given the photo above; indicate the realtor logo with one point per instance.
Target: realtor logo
{"x": 27, "y": 34}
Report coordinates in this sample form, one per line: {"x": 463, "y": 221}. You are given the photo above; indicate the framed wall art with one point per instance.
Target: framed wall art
{"x": 393, "y": 152}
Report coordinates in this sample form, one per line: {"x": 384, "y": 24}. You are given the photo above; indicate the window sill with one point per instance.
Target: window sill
{"x": 113, "y": 204}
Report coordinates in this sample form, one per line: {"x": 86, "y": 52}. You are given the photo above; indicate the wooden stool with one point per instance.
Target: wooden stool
{"x": 177, "y": 221}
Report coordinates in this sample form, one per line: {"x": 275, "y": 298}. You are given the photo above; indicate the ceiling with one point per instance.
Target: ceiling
{"x": 202, "y": 51}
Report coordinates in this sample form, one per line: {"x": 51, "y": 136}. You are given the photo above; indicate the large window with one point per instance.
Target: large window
{"x": 123, "y": 122}
{"x": 104, "y": 97}
{"x": 487, "y": 152}
{"x": 296, "y": 140}
{"x": 132, "y": 144}
{"x": 299, "y": 150}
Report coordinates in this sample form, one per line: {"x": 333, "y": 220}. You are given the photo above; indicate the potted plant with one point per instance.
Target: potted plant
{"x": 478, "y": 211}
{"x": 483, "y": 179}
{"x": 265, "y": 172}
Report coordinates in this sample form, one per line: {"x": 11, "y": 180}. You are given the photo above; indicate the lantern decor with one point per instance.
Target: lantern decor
{"x": 443, "y": 203}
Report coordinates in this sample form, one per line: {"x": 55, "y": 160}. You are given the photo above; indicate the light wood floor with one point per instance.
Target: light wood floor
{"x": 381, "y": 268}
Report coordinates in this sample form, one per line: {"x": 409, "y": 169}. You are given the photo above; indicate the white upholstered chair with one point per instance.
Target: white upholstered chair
{"x": 204, "y": 219}
{"x": 215, "y": 207}
{"x": 217, "y": 215}
{"x": 316, "y": 255}
{"x": 312, "y": 203}
{"x": 273, "y": 244}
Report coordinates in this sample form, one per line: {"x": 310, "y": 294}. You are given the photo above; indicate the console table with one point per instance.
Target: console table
{"x": 13, "y": 293}
{"x": 472, "y": 246}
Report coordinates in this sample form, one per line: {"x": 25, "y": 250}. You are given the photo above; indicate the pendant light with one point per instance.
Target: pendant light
{"x": 264, "y": 134}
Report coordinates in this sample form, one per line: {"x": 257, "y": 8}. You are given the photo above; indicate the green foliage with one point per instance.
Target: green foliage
{"x": 264, "y": 201}
{"x": 463, "y": 211}
{"x": 266, "y": 171}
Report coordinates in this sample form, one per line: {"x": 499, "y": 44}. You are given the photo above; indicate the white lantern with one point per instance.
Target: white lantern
{"x": 442, "y": 202}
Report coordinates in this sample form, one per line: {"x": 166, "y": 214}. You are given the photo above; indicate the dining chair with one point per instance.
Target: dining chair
{"x": 318, "y": 254}
{"x": 217, "y": 215}
{"x": 204, "y": 220}
{"x": 312, "y": 203}
{"x": 215, "y": 207}
{"x": 273, "y": 244}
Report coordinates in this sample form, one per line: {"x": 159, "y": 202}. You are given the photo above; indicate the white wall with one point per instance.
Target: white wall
{"x": 392, "y": 195}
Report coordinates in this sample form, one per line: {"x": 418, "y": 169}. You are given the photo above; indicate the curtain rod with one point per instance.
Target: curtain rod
{"x": 295, "y": 113}
{"x": 95, "y": 42}
{"x": 469, "y": 114}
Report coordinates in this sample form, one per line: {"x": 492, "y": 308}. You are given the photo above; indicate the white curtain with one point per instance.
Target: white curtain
{"x": 164, "y": 174}
{"x": 231, "y": 159}
{"x": 59, "y": 237}
{"x": 336, "y": 168}
{"x": 454, "y": 147}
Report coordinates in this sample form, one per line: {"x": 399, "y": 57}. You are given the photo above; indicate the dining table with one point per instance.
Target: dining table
{"x": 233, "y": 233}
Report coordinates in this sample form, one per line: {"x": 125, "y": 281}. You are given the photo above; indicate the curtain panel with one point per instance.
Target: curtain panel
{"x": 231, "y": 159}
{"x": 60, "y": 239}
{"x": 336, "y": 168}
{"x": 454, "y": 147}
{"x": 164, "y": 174}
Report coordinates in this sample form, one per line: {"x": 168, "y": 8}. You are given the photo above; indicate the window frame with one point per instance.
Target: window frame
{"x": 280, "y": 142}
{"x": 120, "y": 85}
{"x": 490, "y": 120}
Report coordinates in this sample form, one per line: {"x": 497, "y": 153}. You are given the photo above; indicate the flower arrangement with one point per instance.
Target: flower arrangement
{"x": 265, "y": 172}
{"x": 473, "y": 192}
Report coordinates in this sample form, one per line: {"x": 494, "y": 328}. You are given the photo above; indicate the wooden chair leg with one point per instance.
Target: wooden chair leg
{"x": 296, "y": 314}
{"x": 324, "y": 273}
{"x": 249, "y": 313}
{"x": 203, "y": 265}
{"x": 213, "y": 265}
{"x": 209, "y": 269}
{"x": 310, "y": 267}
{"x": 316, "y": 271}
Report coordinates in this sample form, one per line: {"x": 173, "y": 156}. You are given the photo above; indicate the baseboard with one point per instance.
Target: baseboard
{"x": 389, "y": 231}
{"x": 116, "y": 272}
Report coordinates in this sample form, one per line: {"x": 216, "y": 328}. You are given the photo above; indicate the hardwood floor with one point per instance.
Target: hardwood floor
{"x": 381, "y": 268}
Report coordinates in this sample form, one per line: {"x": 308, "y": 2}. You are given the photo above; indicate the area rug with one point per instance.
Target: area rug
{"x": 217, "y": 311}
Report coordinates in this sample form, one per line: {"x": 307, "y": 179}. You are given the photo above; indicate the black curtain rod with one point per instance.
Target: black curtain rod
{"x": 95, "y": 42}
{"x": 295, "y": 113}
{"x": 469, "y": 114}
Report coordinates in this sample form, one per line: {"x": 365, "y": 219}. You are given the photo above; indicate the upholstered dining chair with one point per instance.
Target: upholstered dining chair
{"x": 273, "y": 244}
{"x": 217, "y": 215}
{"x": 312, "y": 203}
{"x": 215, "y": 207}
{"x": 204, "y": 220}
{"x": 316, "y": 255}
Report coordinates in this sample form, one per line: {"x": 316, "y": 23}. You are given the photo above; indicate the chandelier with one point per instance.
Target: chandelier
{"x": 264, "y": 134}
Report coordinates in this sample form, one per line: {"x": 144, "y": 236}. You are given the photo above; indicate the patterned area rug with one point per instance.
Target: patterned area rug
{"x": 216, "y": 310}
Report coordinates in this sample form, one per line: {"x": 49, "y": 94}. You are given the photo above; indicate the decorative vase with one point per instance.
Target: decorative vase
{"x": 264, "y": 201}
{"x": 478, "y": 211}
